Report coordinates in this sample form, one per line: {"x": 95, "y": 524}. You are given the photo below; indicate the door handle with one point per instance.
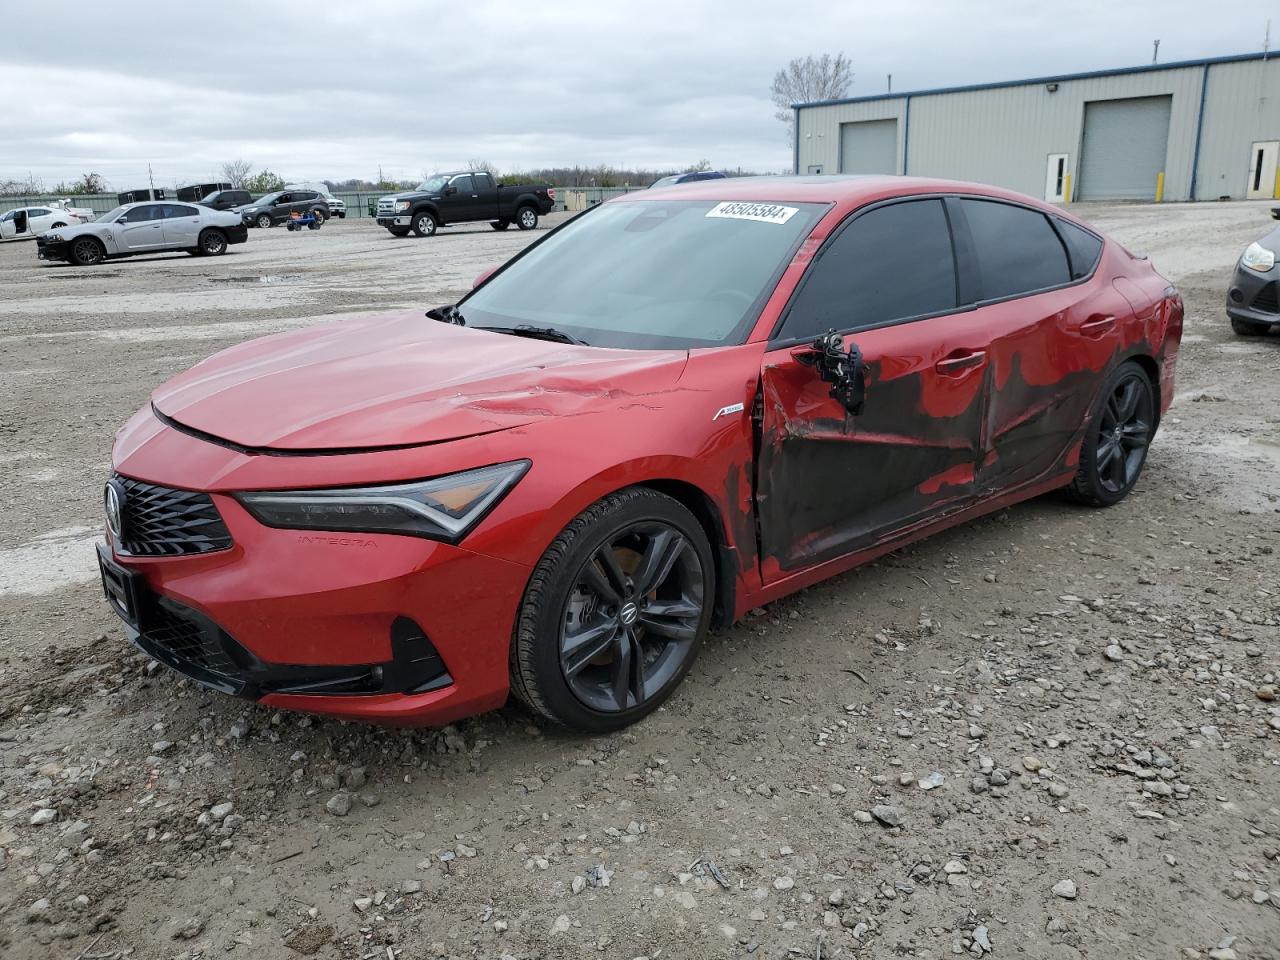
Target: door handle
{"x": 1097, "y": 325}
{"x": 959, "y": 362}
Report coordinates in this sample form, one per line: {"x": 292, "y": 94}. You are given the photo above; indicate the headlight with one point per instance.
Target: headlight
{"x": 446, "y": 508}
{"x": 402, "y": 205}
{"x": 56, "y": 237}
{"x": 1257, "y": 257}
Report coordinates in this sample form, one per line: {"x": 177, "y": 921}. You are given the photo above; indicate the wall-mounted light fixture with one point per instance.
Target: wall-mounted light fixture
{"x": 1051, "y": 87}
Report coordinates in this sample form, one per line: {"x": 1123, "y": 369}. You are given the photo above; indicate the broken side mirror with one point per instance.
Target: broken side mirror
{"x": 840, "y": 365}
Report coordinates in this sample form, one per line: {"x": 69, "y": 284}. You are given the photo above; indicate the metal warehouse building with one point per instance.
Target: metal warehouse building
{"x": 1198, "y": 129}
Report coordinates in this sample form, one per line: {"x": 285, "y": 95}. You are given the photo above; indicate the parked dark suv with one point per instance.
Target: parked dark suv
{"x": 227, "y": 199}
{"x": 275, "y": 208}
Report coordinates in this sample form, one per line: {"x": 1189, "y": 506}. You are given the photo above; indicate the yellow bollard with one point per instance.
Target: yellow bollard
{"x": 1066, "y": 189}
{"x": 1159, "y": 186}
{"x": 1276, "y": 195}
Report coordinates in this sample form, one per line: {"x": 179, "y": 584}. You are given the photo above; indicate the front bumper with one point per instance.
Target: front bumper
{"x": 386, "y": 221}
{"x": 52, "y": 249}
{"x": 1254, "y": 296}
{"x": 389, "y": 629}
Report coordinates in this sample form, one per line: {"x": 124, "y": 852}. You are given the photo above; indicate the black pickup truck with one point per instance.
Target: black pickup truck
{"x": 464, "y": 197}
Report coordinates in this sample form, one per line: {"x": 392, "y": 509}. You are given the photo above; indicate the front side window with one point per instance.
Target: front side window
{"x": 1016, "y": 249}
{"x": 889, "y": 264}
{"x": 656, "y": 274}
{"x": 461, "y": 184}
{"x": 143, "y": 213}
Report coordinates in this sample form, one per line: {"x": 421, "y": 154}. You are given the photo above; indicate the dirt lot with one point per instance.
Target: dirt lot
{"x": 1051, "y": 733}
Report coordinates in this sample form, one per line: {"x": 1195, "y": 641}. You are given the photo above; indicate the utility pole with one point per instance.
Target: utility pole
{"x": 151, "y": 177}
{"x": 891, "y": 83}
{"x": 1155, "y": 51}
{"x": 1266, "y": 41}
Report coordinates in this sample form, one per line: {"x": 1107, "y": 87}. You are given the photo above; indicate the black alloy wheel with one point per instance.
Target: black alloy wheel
{"x": 86, "y": 251}
{"x": 614, "y": 613}
{"x": 632, "y": 616}
{"x": 213, "y": 243}
{"x": 1120, "y": 432}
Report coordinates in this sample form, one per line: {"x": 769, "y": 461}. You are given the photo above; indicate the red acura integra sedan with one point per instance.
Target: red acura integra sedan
{"x": 677, "y": 406}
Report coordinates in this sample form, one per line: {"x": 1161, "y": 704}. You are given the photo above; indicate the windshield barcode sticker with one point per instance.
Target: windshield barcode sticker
{"x": 764, "y": 212}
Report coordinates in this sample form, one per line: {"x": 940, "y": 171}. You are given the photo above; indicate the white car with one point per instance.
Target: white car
{"x": 148, "y": 227}
{"x": 27, "y": 223}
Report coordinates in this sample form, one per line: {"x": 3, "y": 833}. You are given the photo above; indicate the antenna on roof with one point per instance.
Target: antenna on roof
{"x": 1266, "y": 41}
{"x": 1155, "y": 51}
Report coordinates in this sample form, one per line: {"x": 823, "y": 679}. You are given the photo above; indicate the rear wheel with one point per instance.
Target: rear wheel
{"x": 57, "y": 225}
{"x": 424, "y": 224}
{"x": 500, "y": 224}
{"x": 87, "y": 251}
{"x": 264, "y": 220}
{"x": 527, "y": 218}
{"x": 614, "y": 613}
{"x": 213, "y": 243}
{"x": 1115, "y": 445}
{"x": 1247, "y": 328}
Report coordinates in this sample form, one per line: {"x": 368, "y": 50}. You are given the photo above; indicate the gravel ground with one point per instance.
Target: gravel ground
{"x": 1050, "y": 733}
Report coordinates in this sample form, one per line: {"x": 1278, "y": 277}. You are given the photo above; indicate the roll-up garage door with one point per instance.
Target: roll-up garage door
{"x": 870, "y": 146}
{"x": 1125, "y": 144}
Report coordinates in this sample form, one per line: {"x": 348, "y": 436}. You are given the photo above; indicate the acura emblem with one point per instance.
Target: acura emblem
{"x": 111, "y": 497}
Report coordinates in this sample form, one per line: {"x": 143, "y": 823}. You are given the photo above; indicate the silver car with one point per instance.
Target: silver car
{"x": 148, "y": 227}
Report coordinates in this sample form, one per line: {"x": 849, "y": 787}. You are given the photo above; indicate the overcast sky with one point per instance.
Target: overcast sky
{"x": 322, "y": 89}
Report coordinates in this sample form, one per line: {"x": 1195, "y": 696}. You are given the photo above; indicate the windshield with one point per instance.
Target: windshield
{"x": 433, "y": 183}
{"x": 111, "y": 215}
{"x": 665, "y": 181}
{"x": 649, "y": 274}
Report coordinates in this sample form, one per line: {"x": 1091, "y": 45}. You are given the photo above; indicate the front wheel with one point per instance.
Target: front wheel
{"x": 527, "y": 218}
{"x": 318, "y": 215}
{"x": 424, "y": 224}
{"x": 1114, "y": 449}
{"x": 87, "y": 251}
{"x": 264, "y": 221}
{"x": 399, "y": 231}
{"x": 1247, "y": 328}
{"x": 213, "y": 243}
{"x": 614, "y": 613}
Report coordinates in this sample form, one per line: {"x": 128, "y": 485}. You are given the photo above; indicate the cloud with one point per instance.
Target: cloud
{"x": 322, "y": 89}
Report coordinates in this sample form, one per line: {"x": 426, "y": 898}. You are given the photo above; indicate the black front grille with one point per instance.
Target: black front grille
{"x": 1267, "y": 300}
{"x": 191, "y": 643}
{"x": 162, "y": 522}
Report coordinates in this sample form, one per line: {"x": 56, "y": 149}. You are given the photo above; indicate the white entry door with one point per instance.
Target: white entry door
{"x": 1262, "y": 170}
{"x": 1055, "y": 178}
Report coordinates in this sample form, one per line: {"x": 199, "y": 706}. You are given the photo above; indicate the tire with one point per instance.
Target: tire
{"x": 57, "y": 226}
{"x": 86, "y": 251}
{"x": 527, "y": 218}
{"x": 399, "y": 231}
{"x": 1114, "y": 450}
{"x": 213, "y": 243}
{"x": 424, "y": 224}
{"x": 316, "y": 223}
{"x": 319, "y": 215}
{"x": 264, "y": 220}
{"x": 341, "y": 215}
{"x": 500, "y": 224}
{"x": 1247, "y": 328}
{"x": 601, "y": 684}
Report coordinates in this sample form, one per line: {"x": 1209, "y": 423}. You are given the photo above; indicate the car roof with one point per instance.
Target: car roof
{"x": 845, "y": 191}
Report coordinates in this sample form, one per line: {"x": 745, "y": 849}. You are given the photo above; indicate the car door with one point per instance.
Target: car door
{"x": 1051, "y": 335}
{"x": 830, "y": 482}
{"x": 40, "y": 219}
{"x": 140, "y": 228}
{"x": 485, "y": 197}
{"x": 181, "y": 225}
{"x": 9, "y": 225}
{"x": 459, "y": 201}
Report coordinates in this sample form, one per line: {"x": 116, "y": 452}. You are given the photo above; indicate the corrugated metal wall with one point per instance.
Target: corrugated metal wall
{"x": 1004, "y": 135}
{"x": 1241, "y": 106}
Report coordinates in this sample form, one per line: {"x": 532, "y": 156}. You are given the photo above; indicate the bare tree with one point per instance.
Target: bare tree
{"x": 482, "y": 166}
{"x": 806, "y": 79}
{"x": 235, "y": 172}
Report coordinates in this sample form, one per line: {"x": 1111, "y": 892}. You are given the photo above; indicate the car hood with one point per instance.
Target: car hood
{"x": 400, "y": 380}
{"x": 75, "y": 230}
{"x": 410, "y": 195}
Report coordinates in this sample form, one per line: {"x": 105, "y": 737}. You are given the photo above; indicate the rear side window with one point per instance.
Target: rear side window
{"x": 1083, "y": 248}
{"x": 891, "y": 263}
{"x": 1016, "y": 249}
